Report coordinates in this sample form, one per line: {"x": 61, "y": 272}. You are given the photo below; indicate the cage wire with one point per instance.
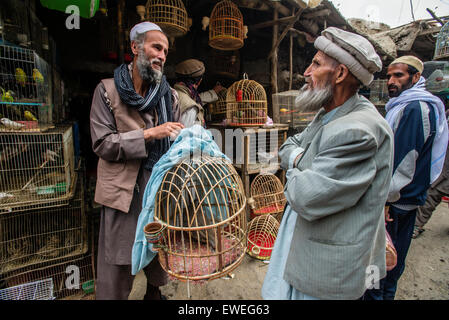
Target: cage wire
{"x": 442, "y": 43}
{"x": 43, "y": 235}
{"x": 226, "y": 26}
{"x": 379, "y": 92}
{"x": 224, "y": 63}
{"x": 25, "y": 91}
{"x": 262, "y": 233}
{"x": 246, "y": 103}
{"x": 170, "y": 15}
{"x": 37, "y": 290}
{"x": 289, "y": 112}
{"x": 201, "y": 206}
{"x": 217, "y": 109}
{"x": 36, "y": 169}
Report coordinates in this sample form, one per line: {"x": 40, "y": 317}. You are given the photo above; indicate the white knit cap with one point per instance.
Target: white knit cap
{"x": 352, "y": 50}
{"x": 143, "y": 27}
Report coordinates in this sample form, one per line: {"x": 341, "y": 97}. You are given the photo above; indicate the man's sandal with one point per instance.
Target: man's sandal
{"x": 417, "y": 231}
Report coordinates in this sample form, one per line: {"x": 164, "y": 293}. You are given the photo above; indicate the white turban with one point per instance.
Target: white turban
{"x": 142, "y": 28}
{"x": 352, "y": 50}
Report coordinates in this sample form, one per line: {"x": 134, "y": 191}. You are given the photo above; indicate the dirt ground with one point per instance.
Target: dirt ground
{"x": 426, "y": 276}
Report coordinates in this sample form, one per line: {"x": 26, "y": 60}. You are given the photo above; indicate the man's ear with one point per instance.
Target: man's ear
{"x": 416, "y": 77}
{"x": 342, "y": 73}
{"x": 134, "y": 47}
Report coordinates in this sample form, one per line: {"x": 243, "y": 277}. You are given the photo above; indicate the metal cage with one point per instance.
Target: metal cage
{"x": 25, "y": 91}
{"x": 170, "y": 15}
{"x": 267, "y": 196}
{"x": 284, "y": 105}
{"x": 442, "y": 43}
{"x": 226, "y": 26}
{"x": 262, "y": 233}
{"x": 246, "y": 104}
{"x": 36, "y": 169}
{"x": 201, "y": 208}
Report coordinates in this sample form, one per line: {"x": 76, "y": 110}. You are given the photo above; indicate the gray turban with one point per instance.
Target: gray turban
{"x": 352, "y": 50}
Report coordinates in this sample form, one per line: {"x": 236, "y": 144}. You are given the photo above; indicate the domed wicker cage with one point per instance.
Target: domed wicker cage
{"x": 218, "y": 108}
{"x": 226, "y": 26}
{"x": 267, "y": 196}
{"x": 442, "y": 44}
{"x": 262, "y": 233}
{"x": 201, "y": 206}
{"x": 170, "y": 15}
{"x": 224, "y": 63}
{"x": 246, "y": 104}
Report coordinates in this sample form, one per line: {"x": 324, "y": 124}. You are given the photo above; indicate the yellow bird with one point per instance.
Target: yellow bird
{"x": 21, "y": 77}
{"x": 7, "y": 96}
{"x": 37, "y": 76}
{"x": 29, "y": 116}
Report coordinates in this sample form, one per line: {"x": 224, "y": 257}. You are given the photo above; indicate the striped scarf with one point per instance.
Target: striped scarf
{"x": 158, "y": 97}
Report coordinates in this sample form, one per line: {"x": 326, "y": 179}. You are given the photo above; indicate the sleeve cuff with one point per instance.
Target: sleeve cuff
{"x": 296, "y": 152}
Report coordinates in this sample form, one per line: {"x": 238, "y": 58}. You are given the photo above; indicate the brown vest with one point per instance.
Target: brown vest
{"x": 186, "y": 102}
{"x": 116, "y": 180}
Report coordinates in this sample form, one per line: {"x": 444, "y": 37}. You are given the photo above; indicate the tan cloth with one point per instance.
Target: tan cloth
{"x": 186, "y": 103}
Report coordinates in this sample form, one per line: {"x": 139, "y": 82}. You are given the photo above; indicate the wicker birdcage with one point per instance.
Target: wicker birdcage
{"x": 226, "y": 26}
{"x": 218, "y": 108}
{"x": 25, "y": 91}
{"x": 170, "y": 15}
{"x": 201, "y": 208}
{"x": 246, "y": 104}
{"x": 36, "y": 169}
{"x": 224, "y": 63}
{"x": 442, "y": 43}
{"x": 262, "y": 232}
{"x": 284, "y": 105}
{"x": 267, "y": 196}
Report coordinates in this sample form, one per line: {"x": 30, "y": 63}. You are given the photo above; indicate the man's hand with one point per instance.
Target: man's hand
{"x": 168, "y": 129}
{"x": 387, "y": 214}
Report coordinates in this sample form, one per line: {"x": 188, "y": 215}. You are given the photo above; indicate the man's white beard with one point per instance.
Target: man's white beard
{"x": 146, "y": 71}
{"x": 312, "y": 100}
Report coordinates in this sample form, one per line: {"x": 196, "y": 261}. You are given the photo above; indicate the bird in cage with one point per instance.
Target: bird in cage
{"x": 21, "y": 76}
{"x": 29, "y": 116}
{"x": 37, "y": 76}
{"x": 9, "y": 124}
{"x": 7, "y": 96}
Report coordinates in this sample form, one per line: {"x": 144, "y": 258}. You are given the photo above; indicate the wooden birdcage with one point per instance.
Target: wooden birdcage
{"x": 201, "y": 208}
{"x": 442, "y": 44}
{"x": 224, "y": 63}
{"x": 262, "y": 232}
{"x": 246, "y": 104}
{"x": 226, "y": 26}
{"x": 218, "y": 108}
{"x": 170, "y": 15}
{"x": 267, "y": 196}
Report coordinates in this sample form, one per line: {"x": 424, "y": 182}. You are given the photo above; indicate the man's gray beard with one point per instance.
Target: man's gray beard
{"x": 146, "y": 72}
{"x": 312, "y": 100}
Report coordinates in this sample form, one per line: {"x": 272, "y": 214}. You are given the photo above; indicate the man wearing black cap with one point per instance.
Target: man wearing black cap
{"x": 189, "y": 74}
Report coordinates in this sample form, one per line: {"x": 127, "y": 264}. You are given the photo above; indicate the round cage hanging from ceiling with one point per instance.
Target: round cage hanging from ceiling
{"x": 201, "y": 208}
{"x": 246, "y": 104}
{"x": 226, "y": 26}
{"x": 267, "y": 196}
{"x": 262, "y": 232}
{"x": 442, "y": 43}
{"x": 170, "y": 15}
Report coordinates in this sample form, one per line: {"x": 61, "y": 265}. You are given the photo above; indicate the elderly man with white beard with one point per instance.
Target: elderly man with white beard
{"x": 331, "y": 242}
{"x": 132, "y": 118}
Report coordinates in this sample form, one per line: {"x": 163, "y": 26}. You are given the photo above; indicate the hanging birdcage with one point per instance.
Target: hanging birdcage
{"x": 200, "y": 207}
{"x": 267, "y": 196}
{"x": 224, "y": 63}
{"x": 218, "y": 108}
{"x": 170, "y": 15}
{"x": 262, "y": 232}
{"x": 226, "y": 26}
{"x": 442, "y": 44}
{"x": 246, "y": 104}
{"x": 25, "y": 104}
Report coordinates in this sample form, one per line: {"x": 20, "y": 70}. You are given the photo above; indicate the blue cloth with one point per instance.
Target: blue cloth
{"x": 194, "y": 140}
{"x": 274, "y": 286}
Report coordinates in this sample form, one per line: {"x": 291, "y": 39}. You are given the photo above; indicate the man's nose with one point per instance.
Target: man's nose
{"x": 308, "y": 72}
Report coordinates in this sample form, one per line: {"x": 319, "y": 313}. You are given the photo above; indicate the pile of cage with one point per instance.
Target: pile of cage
{"x": 442, "y": 43}
{"x": 170, "y": 15}
{"x": 289, "y": 113}
{"x": 25, "y": 104}
{"x": 246, "y": 104}
{"x": 200, "y": 207}
{"x": 262, "y": 233}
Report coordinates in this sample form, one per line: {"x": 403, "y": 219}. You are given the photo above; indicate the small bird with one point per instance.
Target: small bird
{"x": 37, "y": 76}
{"x": 7, "y": 96}
{"x": 9, "y": 124}
{"x": 29, "y": 116}
{"x": 21, "y": 76}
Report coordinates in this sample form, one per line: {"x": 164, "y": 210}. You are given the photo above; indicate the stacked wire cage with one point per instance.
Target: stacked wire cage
{"x": 289, "y": 112}
{"x": 226, "y": 26}
{"x": 25, "y": 91}
{"x": 442, "y": 43}
{"x": 246, "y": 104}
{"x": 262, "y": 233}
{"x": 200, "y": 206}
{"x": 170, "y": 15}
{"x": 267, "y": 196}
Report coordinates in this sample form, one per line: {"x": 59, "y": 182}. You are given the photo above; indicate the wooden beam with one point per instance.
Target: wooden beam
{"x": 435, "y": 16}
{"x": 281, "y": 8}
{"x": 274, "y": 56}
{"x": 316, "y": 14}
{"x": 121, "y": 38}
{"x": 272, "y": 22}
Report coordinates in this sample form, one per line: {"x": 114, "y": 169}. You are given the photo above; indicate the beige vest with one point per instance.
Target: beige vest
{"x": 116, "y": 180}
{"x": 186, "y": 102}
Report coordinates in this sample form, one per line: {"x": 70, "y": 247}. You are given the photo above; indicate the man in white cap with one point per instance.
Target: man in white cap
{"x": 418, "y": 121}
{"x": 331, "y": 242}
{"x": 133, "y": 116}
